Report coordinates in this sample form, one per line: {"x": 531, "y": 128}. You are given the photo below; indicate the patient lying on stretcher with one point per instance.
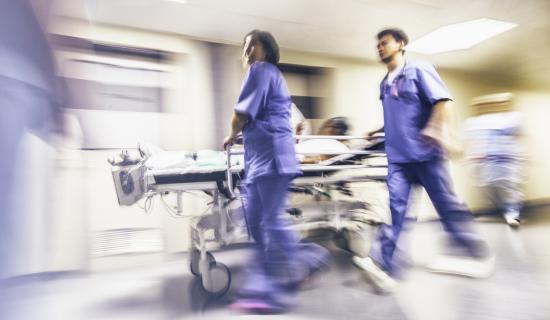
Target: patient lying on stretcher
{"x": 306, "y": 149}
{"x": 318, "y": 150}
{"x": 363, "y": 204}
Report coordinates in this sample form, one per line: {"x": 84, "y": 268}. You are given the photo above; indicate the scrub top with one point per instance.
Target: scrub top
{"x": 408, "y": 102}
{"x": 268, "y": 136}
{"x": 494, "y": 135}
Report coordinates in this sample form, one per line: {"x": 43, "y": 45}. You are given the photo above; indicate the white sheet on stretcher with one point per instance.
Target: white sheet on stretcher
{"x": 183, "y": 162}
{"x": 209, "y": 161}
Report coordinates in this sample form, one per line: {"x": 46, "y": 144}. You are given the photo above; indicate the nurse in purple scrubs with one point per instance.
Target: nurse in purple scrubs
{"x": 262, "y": 113}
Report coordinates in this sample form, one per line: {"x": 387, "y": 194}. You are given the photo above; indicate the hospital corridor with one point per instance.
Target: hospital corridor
{"x": 291, "y": 159}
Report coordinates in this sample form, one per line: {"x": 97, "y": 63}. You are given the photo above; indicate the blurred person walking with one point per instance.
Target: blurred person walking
{"x": 280, "y": 263}
{"x": 494, "y": 150}
{"x": 29, "y": 101}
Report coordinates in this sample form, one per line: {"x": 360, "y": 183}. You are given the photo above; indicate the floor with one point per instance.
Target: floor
{"x": 519, "y": 289}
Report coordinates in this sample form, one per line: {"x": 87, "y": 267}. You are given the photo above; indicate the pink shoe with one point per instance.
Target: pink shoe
{"x": 255, "y": 306}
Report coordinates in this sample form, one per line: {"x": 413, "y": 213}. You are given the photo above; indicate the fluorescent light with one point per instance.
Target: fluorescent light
{"x": 459, "y": 36}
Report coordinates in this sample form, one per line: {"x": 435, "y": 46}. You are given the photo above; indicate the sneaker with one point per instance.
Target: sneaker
{"x": 463, "y": 266}
{"x": 512, "y": 222}
{"x": 382, "y": 282}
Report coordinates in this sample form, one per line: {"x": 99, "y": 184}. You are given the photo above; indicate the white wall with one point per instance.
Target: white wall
{"x": 536, "y": 107}
{"x": 188, "y": 88}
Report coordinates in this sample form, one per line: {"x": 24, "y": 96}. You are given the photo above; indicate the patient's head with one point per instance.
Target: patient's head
{"x": 337, "y": 126}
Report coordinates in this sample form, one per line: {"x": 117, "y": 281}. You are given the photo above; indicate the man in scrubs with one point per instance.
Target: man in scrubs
{"x": 262, "y": 113}
{"x": 416, "y": 105}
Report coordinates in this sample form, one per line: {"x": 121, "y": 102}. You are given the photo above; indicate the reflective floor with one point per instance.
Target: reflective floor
{"x": 519, "y": 289}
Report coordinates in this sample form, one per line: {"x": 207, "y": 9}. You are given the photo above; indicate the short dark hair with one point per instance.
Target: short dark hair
{"x": 396, "y": 33}
{"x": 340, "y": 125}
{"x": 268, "y": 42}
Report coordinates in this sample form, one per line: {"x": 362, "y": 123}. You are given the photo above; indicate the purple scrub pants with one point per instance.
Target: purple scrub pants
{"x": 280, "y": 262}
{"x": 454, "y": 215}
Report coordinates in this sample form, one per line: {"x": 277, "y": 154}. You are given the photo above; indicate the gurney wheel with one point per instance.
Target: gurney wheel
{"x": 218, "y": 280}
{"x": 195, "y": 258}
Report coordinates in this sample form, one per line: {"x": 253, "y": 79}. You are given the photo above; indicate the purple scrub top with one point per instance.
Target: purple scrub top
{"x": 408, "y": 102}
{"x": 268, "y": 136}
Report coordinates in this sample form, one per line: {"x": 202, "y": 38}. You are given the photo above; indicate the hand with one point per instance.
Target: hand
{"x": 371, "y": 135}
{"x": 228, "y": 141}
{"x": 300, "y": 128}
{"x": 435, "y": 134}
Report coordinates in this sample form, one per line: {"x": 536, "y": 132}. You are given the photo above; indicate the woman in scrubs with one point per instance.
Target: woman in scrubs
{"x": 262, "y": 113}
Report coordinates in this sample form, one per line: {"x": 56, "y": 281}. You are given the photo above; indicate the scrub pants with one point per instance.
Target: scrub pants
{"x": 501, "y": 180}
{"x": 455, "y": 216}
{"x": 279, "y": 261}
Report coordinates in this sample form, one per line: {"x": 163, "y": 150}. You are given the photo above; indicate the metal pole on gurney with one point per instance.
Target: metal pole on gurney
{"x": 228, "y": 173}
{"x": 229, "y": 177}
{"x": 309, "y": 137}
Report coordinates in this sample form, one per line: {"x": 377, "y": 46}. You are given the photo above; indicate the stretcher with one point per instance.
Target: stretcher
{"x": 220, "y": 180}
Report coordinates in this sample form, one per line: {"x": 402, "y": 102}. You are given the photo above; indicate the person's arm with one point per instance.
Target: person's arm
{"x": 437, "y": 128}
{"x": 438, "y": 119}
{"x": 433, "y": 90}
{"x": 238, "y": 121}
{"x": 253, "y": 93}
{"x": 311, "y": 159}
{"x": 370, "y": 135}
